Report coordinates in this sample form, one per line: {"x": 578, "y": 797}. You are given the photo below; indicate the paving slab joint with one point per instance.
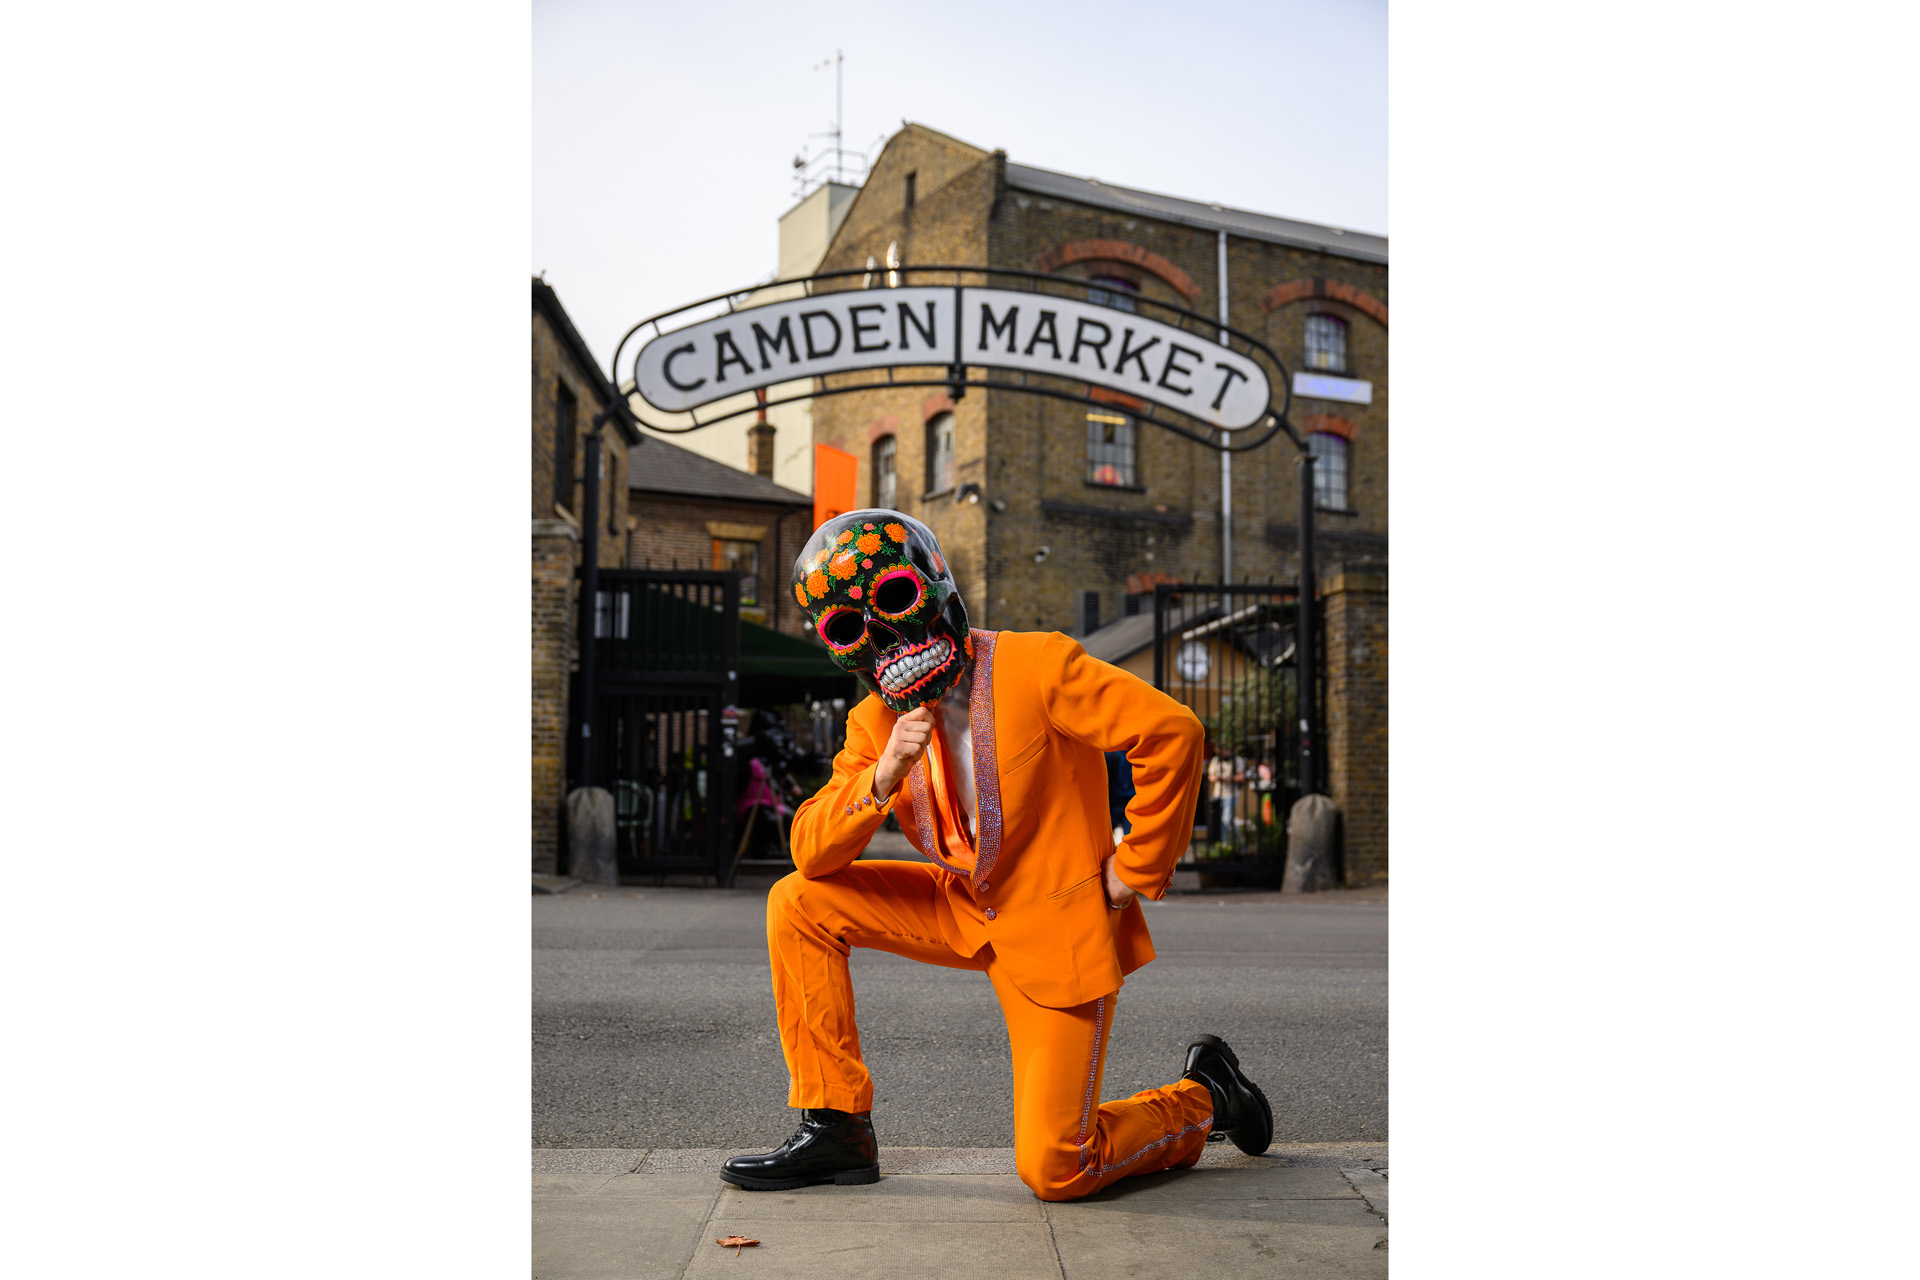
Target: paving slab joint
{"x": 1372, "y": 1186}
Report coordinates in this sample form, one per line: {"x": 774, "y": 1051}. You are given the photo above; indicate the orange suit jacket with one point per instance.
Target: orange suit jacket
{"x": 1041, "y": 714}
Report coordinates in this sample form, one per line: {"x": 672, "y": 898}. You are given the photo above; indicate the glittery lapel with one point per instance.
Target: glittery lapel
{"x": 986, "y": 757}
{"x": 920, "y": 792}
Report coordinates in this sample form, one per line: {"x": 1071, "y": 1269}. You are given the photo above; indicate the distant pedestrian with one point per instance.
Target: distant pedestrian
{"x": 1225, "y": 773}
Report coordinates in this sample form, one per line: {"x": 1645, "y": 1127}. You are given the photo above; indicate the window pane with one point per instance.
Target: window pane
{"x": 1327, "y": 343}
{"x": 742, "y": 558}
{"x": 1112, "y": 291}
{"x": 1329, "y": 470}
{"x": 563, "y": 404}
{"x": 940, "y": 453}
{"x": 883, "y": 478}
{"x": 1110, "y": 449}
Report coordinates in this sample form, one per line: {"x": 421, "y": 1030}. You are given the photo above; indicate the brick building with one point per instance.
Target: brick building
{"x": 691, "y": 512}
{"x": 1117, "y": 504}
{"x": 568, "y": 390}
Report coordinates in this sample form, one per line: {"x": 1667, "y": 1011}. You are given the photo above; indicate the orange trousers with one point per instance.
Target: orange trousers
{"x": 1064, "y": 1146}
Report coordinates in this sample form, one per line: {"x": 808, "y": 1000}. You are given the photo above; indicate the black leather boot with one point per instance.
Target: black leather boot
{"x": 1240, "y": 1110}
{"x": 829, "y": 1146}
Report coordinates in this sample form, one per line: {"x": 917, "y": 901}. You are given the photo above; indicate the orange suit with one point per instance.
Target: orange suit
{"x": 1021, "y": 900}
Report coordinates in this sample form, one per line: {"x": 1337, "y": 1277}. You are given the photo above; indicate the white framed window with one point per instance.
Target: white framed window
{"x": 743, "y": 558}
{"x": 1327, "y": 343}
{"x": 885, "y": 490}
{"x": 1194, "y": 661}
{"x": 1110, "y": 449}
{"x": 1329, "y": 470}
{"x": 940, "y": 452}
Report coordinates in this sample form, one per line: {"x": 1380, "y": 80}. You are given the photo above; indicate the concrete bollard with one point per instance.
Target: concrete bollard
{"x": 1313, "y": 829}
{"x": 590, "y": 835}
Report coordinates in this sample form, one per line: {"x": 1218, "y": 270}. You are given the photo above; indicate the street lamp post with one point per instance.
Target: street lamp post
{"x": 1304, "y": 642}
{"x": 589, "y": 602}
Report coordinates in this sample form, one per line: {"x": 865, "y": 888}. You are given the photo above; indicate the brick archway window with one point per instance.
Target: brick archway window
{"x": 1329, "y": 470}
{"x": 1326, "y": 343}
{"x": 1112, "y": 291}
{"x": 1104, "y": 251}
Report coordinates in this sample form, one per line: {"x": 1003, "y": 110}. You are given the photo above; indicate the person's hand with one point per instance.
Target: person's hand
{"x": 1118, "y": 894}
{"x": 910, "y": 734}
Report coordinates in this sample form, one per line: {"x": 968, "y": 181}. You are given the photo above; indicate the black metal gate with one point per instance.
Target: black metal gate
{"x": 667, "y": 653}
{"x": 1230, "y": 653}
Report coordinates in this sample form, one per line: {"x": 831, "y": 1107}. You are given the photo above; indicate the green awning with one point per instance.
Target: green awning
{"x": 778, "y": 670}
{"x": 766, "y": 652}
{"x": 669, "y": 634}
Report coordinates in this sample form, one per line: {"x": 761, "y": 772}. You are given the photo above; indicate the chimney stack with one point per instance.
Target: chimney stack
{"x": 760, "y": 440}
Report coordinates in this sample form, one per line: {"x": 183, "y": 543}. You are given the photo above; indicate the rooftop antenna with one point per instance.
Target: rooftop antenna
{"x": 805, "y": 173}
{"x": 837, "y": 62}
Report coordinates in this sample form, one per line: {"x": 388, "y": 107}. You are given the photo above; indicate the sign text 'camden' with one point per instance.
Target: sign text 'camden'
{"x": 947, "y": 325}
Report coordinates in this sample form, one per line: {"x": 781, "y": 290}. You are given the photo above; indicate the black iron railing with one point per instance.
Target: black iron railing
{"x": 1231, "y": 654}
{"x": 666, "y": 671}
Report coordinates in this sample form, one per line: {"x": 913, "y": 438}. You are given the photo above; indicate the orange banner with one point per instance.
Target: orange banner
{"x": 836, "y": 476}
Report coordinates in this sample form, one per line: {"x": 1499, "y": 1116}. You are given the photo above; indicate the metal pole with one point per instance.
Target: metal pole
{"x": 1160, "y": 636}
{"x": 1303, "y": 641}
{"x": 1226, "y": 459}
{"x": 589, "y": 602}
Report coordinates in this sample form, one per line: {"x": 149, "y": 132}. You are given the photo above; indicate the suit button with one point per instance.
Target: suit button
{"x": 984, "y": 886}
{"x": 989, "y": 913}
{"x": 849, "y": 808}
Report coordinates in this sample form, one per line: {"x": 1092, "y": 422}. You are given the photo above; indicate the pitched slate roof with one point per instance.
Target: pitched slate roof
{"x": 1124, "y": 637}
{"x": 659, "y": 467}
{"x": 1238, "y": 222}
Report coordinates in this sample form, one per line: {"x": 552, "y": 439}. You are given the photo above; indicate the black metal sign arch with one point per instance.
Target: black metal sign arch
{"x": 944, "y": 319}
{"x": 842, "y": 329}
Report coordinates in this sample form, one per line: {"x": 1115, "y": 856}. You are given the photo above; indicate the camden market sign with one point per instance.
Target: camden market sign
{"x": 921, "y": 325}
{"x": 1028, "y": 331}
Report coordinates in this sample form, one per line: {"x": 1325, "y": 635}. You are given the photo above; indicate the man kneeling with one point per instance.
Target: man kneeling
{"x": 989, "y": 746}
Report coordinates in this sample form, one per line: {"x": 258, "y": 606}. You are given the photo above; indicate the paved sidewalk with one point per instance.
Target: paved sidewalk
{"x": 1306, "y": 1210}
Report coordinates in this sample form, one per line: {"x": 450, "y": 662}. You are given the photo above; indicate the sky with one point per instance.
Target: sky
{"x": 664, "y": 135}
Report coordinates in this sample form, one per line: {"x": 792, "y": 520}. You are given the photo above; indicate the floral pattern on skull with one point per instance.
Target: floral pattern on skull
{"x": 886, "y": 606}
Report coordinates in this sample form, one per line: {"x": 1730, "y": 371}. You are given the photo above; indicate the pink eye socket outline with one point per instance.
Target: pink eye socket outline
{"x": 824, "y": 626}
{"x": 919, "y": 592}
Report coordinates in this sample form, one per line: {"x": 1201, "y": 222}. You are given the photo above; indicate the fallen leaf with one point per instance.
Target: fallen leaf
{"x": 735, "y": 1243}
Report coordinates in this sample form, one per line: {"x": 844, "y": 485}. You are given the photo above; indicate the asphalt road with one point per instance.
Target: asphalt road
{"x": 653, "y": 1021}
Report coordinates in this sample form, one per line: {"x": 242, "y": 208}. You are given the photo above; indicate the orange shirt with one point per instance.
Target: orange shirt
{"x": 950, "y": 825}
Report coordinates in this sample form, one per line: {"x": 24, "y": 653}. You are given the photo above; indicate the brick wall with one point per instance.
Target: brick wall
{"x": 556, "y": 557}
{"x": 1355, "y": 601}
{"x": 555, "y": 551}
{"x": 1097, "y": 535}
{"x": 670, "y": 531}
{"x": 553, "y": 367}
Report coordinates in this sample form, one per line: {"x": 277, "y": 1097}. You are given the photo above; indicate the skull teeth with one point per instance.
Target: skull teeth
{"x": 912, "y": 668}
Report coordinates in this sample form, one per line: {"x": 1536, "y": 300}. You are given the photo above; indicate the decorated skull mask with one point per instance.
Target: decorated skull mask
{"x": 884, "y": 600}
